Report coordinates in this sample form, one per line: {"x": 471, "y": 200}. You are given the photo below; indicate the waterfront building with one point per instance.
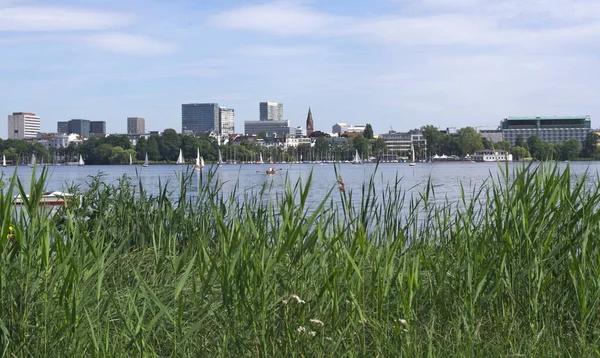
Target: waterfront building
{"x": 401, "y": 143}
{"x": 62, "y": 140}
{"x": 270, "y": 111}
{"x": 341, "y": 128}
{"x": 294, "y": 141}
{"x": 271, "y": 128}
{"x": 549, "y": 129}
{"x": 199, "y": 118}
{"x": 136, "y": 125}
{"x": 98, "y": 128}
{"x": 62, "y": 127}
{"x": 226, "y": 121}
{"x": 23, "y": 125}
{"x": 309, "y": 123}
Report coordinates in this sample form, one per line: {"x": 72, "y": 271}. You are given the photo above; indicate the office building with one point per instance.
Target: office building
{"x": 136, "y": 125}
{"x": 62, "y": 127}
{"x": 271, "y": 128}
{"x": 270, "y": 111}
{"x": 98, "y": 128}
{"x": 198, "y": 118}
{"x": 309, "y": 123}
{"x": 80, "y": 126}
{"x": 549, "y": 129}
{"x": 23, "y": 125}
{"x": 401, "y": 143}
{"x": 226, "y": 121}
{"x": 341, "y": 128}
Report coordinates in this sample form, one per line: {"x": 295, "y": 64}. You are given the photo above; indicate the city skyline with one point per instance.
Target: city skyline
{"x": 388, "y": 63}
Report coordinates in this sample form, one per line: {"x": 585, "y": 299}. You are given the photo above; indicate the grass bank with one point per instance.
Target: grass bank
{"x": 512, "y": 270}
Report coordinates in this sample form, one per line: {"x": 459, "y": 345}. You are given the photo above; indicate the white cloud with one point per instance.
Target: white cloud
{"x": 271, "y": 51}
{"x": 130, "y": 44}
{"x": 59, "y": 19}
{"x": 276, "y": 18}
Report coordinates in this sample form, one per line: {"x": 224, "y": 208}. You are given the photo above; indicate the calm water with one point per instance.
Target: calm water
{"x": 446, "y": 177}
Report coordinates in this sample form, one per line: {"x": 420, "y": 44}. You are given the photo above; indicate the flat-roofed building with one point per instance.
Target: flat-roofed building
{"x": 271, "y": 128}
{"x": 400, "y": 143}
{"x": 98, "y": 128}
{"x": 226, "y": 121}
{"x": 549, "y": 129}
{"x": 136, "y": 125}
{"x": 62, "y": 127}
{"x": 270, "y": 111}
{"x": 199, "y": 118}
{"x": 341, "y": 128}
{"x": 23, "y": 125}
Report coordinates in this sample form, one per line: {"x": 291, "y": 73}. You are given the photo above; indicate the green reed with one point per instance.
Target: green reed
{"x": 510, "y": 269}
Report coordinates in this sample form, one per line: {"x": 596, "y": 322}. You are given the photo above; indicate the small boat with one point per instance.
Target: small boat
{"x": 80, "y": 162}
{"x": 271, "y": 171}
{"x": 220, "y": 161}
{"x": 180, "y": 157}
{"x": 356, "y": 159}
{"x": 130, "y": 160}
{"x": 199, "y": 161}
{"x": 260, "y": 160}
{"x": 32, "y": 164}
{"x": 145, "y": 161}
{"x": 3, "y": 160}
{"x": 50, "y": 198}
{"x": 412, "y": 149}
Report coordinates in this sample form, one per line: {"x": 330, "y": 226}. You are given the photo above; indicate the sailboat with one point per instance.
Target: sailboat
{"x": 32, "y": 164}
{"x": 356, "y": 159}
{"x": 260, "y": 160}
{"x": 81, "y": 162}
{"x": 199, "y": 161}
{"x": 130, "y": 161}
{"x": 412, "y": 149}
{"x": 3, "y": 160}
{"x": 180, "y": 158}
{"x": 145, "y": 161}
{"x": 220, "y": 161}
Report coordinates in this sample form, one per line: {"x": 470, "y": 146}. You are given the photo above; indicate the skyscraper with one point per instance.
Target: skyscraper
{"x": 136, "y": 125}
{"x": 309, "y": 123}
{"x": 200, "y": 118}
{"x": 226, "y": 121}
{"x": 97, "y": 128}
{"x": 22, "y": 125}
{"x": 62, "y": 127}
{"x": 271, "y": 111}
{"x": 80, "y": 126}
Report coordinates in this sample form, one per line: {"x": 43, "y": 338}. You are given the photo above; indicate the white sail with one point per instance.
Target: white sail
{"x": 356, "y": 159}
{"x": 260, "y": 161}
{"x": 198, "y": 157}
{"x": 32, "y": 160}
{"x": 81, "y": 162}
{"x": 412, "y": 149}
{"x": 130, "y": 160}
{"x": 220, "y": 162}
{"x": 3, "y": 160}
{"x": 180, "y": 158}
{"x": 202, "y": 162}
{"x": 146, "y": 160}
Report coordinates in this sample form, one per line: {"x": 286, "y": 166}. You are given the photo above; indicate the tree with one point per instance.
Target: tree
{"x": 569, "y": 149}
{"x": 519, "y": 153}
{"x": 434, "y": 140}
{"x": 153, "y": 148}
{"x": 469, "y": 140}
{"x": 590, "y": 145}
{"x": 368, "y": 133}
{"x": 503, "y": 145}
{"x": 169, "y": 144}
{"x": 535, "y": 145}
{"x": 378, "y": 147}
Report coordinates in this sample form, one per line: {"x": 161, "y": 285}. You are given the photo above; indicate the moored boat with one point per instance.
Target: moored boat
{"x": 50, "y": 198}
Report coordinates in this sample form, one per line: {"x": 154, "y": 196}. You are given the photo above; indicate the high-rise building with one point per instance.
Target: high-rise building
{"x": 226, "y": 121}
{"x": 80, "y": 126}
{"x": 197, "y": 118}
{"x": 271, "y": 111}
{"x": 309, "y": 123}
{"x": 97, "y": 128}
{"x": 23, "y": 125}
{"x": 271, "y": 128}
{"x": 136, "y": 125}
{"x": 62, "y": 127}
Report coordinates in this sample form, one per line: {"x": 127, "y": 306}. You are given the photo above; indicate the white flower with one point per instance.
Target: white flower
{"x": 316, "y": 322}
{"x": 298, "y": 299}
{"x": 312, "y": 333}
{"x": 328, "y": 339}
{"x": 403, "y": 321}
{"x": 300, "y": 329}
{"x": 285, "y": 302}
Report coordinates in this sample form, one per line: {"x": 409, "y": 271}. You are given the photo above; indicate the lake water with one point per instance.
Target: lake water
{"x": 447, "y": 177}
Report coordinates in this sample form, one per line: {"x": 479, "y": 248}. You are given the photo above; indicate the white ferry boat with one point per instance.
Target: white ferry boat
{"x": 489, "y": 155}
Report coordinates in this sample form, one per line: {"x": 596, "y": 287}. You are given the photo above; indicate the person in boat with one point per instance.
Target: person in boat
{"x": 271, "y": 170}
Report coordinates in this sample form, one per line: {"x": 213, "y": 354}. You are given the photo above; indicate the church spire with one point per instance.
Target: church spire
{"x": 309, "y": 123}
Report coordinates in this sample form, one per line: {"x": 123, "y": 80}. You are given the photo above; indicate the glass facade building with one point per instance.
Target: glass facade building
{"x": 97, "y": 127}
{"x": 548, "y": 129}
{"x": 136, "y": 125}
{"x": 271, "y": 111}
{"x": 271, "y": 128}
{"x": 80, "y": 126}
{"x": 198, "y": 118}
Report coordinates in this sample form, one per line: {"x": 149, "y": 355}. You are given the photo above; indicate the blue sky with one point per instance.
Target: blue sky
{"x": 392, "y": 63}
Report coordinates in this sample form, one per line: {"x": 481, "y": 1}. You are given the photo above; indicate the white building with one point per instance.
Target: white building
{"x": 295, "y": 141}
{"x": 298, "y": 131}
{"x": 62, "y": 140}
{"x": 226, "y": 121}
{"x": 23, "y": 125}
{"x": 341, "y": 128}
{"x": 488, "y": 155}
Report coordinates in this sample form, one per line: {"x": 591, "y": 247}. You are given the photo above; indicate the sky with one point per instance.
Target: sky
{"x": 397, "y": 64}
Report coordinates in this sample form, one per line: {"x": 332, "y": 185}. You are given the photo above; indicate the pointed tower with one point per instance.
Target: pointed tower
{"x": 309, "y": 123}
